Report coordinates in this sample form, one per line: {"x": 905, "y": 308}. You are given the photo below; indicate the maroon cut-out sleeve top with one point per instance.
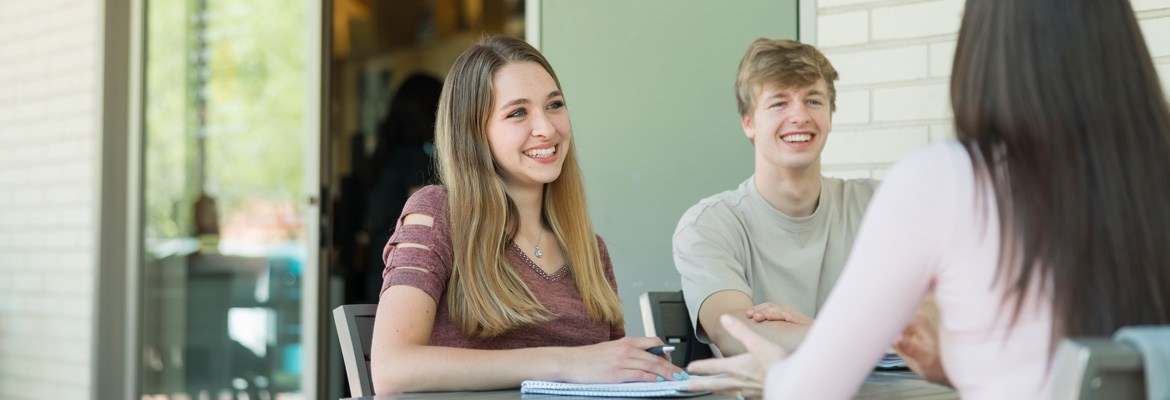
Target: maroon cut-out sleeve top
{"x": 557, "y": 292}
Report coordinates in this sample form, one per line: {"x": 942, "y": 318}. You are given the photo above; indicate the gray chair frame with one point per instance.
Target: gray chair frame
{"x": 664, "y": 314}
{"x": 1097, "y": 368}
{"x": 355, "y": 328}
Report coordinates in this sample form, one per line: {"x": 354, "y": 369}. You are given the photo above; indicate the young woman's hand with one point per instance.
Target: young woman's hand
{"x": 918, "y": 347}
{"x": 745, "y": 372}
{"x": 775, "y": 312}
{"x": 616, "y": 361}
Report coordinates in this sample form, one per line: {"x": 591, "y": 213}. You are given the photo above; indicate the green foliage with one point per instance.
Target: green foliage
{"x": 167, "y": 203}
{"x": 255, "y": 59}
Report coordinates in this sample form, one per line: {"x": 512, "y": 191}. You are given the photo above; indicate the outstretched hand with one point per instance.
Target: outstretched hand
{"x": 745, "y": 372}
{"x": 775, "y": 312}
{"x": 617, "y": 361}
{"x": 918, "y": 347}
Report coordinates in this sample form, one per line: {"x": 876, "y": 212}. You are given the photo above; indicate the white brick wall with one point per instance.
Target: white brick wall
{"x": 48, "y": 134}
{"x": 894, "y": 57}
{"x": 1156, "y": 30}
{"x": 882, "y": 65}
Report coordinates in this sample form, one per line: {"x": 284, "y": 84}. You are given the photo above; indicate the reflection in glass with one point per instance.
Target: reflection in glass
{"x": 224, "y": 240}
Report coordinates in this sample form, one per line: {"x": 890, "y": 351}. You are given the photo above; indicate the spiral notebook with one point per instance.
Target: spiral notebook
{"x": 635, "y": 389}
{"x": 891, "y": 361}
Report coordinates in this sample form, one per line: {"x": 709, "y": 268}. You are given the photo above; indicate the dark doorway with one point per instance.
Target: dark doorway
{"x": 388, "y": 61}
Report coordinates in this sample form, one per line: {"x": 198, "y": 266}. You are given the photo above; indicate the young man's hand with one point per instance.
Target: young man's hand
{"x": 775, "y": 312}
{"x": 735, "y": 304}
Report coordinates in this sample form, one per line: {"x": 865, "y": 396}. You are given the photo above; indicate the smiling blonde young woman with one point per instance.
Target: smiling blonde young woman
{"x": 496, "y": 276}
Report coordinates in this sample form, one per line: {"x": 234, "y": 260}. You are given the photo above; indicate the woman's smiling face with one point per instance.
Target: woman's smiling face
{"x": 528, "y": 130}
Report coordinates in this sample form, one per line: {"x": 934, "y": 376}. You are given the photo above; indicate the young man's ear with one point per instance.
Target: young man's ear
{"x": 748, "y": 128}
{"x": 829, "y": 124}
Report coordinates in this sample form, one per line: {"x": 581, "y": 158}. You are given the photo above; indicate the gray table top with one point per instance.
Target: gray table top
{"x": 879, "y": 385}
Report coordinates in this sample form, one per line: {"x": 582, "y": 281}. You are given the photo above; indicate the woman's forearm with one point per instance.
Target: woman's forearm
{"x": 414, "y": 368}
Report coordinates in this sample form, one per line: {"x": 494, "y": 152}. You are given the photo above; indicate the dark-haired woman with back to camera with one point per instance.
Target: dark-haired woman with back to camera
{"x": 1045, "y": 219}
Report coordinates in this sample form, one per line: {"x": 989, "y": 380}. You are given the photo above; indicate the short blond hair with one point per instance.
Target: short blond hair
{"x": 783, "y": 62}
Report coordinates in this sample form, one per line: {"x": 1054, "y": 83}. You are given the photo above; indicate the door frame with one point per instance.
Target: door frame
{"x": 115, "y": 335}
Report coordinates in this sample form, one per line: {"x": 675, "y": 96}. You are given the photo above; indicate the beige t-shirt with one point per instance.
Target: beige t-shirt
{"x": 735, "y": 240}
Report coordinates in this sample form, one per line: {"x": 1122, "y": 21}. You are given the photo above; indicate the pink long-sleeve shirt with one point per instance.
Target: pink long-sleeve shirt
{"x": 925, "y": 231}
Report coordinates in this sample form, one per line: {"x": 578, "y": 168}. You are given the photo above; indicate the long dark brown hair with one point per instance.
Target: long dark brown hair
{"x": 1059, "y": 106}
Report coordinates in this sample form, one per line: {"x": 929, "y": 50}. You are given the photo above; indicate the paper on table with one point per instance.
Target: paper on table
{"x": 634, "y": 389}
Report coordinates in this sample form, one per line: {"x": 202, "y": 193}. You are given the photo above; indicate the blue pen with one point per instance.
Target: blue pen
{"x": 660, "y": 350}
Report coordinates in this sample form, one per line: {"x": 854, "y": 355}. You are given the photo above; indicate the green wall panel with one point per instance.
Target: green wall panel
{"x": 649, "y": 86}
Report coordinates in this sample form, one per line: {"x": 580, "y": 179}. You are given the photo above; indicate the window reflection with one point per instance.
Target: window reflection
{"x": 223, "y": 230}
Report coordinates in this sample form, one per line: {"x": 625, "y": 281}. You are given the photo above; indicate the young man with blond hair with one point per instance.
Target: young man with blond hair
{"x": 771, "y": 249}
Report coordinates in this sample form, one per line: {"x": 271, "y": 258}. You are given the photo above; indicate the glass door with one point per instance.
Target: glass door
{"x": 229, "y": 296}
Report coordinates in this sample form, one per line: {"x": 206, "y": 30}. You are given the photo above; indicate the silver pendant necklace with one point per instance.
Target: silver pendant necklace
{"x": 537, "y": 244}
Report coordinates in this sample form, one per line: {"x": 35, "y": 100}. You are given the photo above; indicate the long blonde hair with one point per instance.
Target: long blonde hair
{"x": 487, "y": 296}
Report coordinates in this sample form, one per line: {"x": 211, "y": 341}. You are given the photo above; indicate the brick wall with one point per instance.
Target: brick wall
{"x": 894, "y": 57}
{"x": 48, "y": 134}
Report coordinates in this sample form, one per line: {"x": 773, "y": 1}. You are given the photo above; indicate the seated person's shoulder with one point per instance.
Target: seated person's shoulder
{"x": 939, "y": 161}
{"x": 601, "y": 248}
{"x": 942, "y": 160}
{"x": 714, "y": 211}
{"x": 868, "y": 185}
{"x": 606, "y": 261}
{"x": 430, "y": 200}
{"x": 929, "y": 165}
{"x": 852, "y": 193}
{"x": 430, "y": 192}
{"x": 853, "y": 186}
